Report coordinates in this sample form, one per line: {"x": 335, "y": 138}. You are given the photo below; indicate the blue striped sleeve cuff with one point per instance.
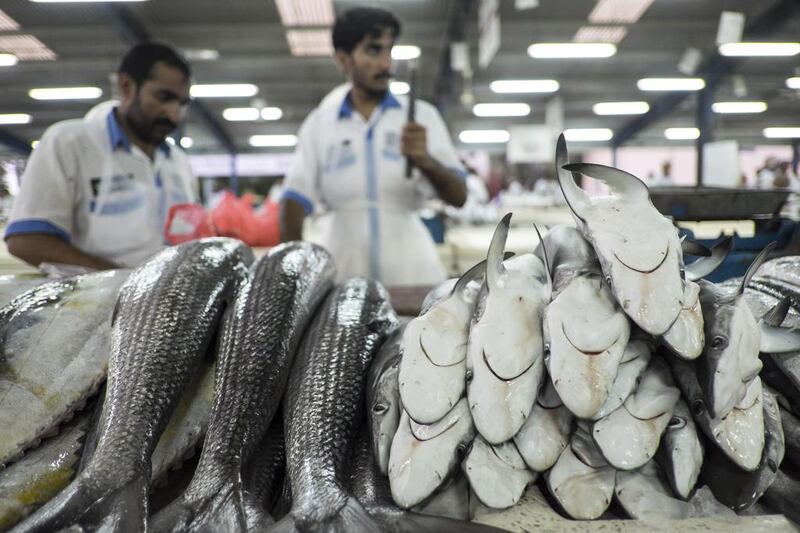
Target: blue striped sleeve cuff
{"x": 303, "y": 200}
{"x": 35, "y": 225}
{"x": 460, "y": 171}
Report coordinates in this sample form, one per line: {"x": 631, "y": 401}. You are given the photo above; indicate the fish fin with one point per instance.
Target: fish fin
{"x": 93, "y": 431}
{"x": 705, "y": 266}
{"x": 546, "y": 260}
{"x": 410, "y": 522}
{"x": 755, "y": 265}
{"x": 472, "y": 274}
{"x": 222, "y": 511}
{"x": 777, "y": 339}
{"x": 255, "y": 514}
{"x": 576, "y": 198}
{"x": 494, "y": 258}
{"x": 775, "y": 316}
{"x": 351, "y": 518}
{"x": 625, "y": 184}
{"x": 93, "y": 507}
{"x": 694, "y": 248}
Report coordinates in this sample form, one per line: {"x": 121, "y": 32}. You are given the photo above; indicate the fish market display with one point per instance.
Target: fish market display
{"x": 163, "y": 324}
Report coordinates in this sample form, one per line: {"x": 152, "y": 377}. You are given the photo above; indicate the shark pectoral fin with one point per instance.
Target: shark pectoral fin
{"x": 694, "y": 248}
{"x": 777, "y": 339}
{"x": 776, "y": 315}
{"x": 709, "y": 262}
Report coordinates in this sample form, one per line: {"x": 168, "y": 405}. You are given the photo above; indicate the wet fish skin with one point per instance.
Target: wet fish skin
{"x": 324, "y": 405}
{"x": 163, "y": 323}
{"x": 782, "y": 496}
{"x": 681, "y": 451}
{"x": 791, "y": 431}
{"x": 259, "y": 337}
{"x": 383, "y": 398}
{"x": 263, "y": 475}
{"x": 497, "y": 474}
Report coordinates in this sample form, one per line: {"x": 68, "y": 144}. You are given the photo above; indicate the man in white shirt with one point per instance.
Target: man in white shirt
{"x": 96, "y": 191}
{"x": 351, "y": 158}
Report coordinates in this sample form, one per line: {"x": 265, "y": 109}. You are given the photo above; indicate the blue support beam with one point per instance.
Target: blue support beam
{"x": 15, "y": 142}
{"x": 705, "y": 121}
{"x": 713, "y": 71}
{"x": 132, "y": 31}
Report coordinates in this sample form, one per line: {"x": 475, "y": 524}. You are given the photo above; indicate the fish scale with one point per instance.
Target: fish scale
{"x": 284, "y": 289}
{"x": 163, "y": 323}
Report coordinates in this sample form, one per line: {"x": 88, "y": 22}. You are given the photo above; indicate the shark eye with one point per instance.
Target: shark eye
{"x": 547, "y": 349}
{"x": 462, "y": 450}
{"x": 380, "y": 408}
{"x": 719, "y": 342}
{"x": 772, "y": 466}
{"x": 468, "y": 376}
{"x": 698, "y": 407}
{"x": 608, "y": 281}
{"x": 677, "y": 422}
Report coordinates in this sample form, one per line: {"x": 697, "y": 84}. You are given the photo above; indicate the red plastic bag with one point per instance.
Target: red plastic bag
{"x": 268, "y": 231}
{"x": 234, "y": 217}
{"x": 186, "y": 222}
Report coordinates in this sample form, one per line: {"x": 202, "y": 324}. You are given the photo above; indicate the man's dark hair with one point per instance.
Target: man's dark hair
{"x": 138, "y": 62}
{"x": 354, "y": 25}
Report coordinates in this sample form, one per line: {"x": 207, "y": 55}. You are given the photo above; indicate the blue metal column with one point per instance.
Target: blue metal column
{"x": 795, "y": 155}
{"x": 15, "y": 142}
{"x": 704, "y": 119}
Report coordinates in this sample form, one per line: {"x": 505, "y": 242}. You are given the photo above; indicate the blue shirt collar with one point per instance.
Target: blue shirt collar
{"x": 388, "y": 101}
{"x": 120, "y": 140}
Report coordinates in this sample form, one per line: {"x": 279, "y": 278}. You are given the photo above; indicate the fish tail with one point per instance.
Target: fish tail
{"x": 351, "y": 518}
{"x": 92, "y": 506}
{"x": 222, "y": 511}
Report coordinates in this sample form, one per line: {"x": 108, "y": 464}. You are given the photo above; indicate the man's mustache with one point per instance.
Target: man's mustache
{"x": 384, "y": 75}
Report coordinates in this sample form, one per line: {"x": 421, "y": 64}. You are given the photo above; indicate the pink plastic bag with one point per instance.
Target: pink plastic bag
{"x": 186, "y": 222}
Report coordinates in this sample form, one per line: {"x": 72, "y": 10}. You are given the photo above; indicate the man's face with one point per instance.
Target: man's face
{"x": 369, "y": 65}
{"x": 154, "y": 109}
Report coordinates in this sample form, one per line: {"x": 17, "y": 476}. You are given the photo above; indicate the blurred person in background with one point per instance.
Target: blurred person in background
{"x": 96, "y": 191}
{"x": 664, "y": 178}
{"x": 765, "y": 176}
{"x": 350, "y": 161}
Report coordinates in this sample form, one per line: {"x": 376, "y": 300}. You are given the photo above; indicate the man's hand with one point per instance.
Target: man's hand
{"x": 414, "y": 144}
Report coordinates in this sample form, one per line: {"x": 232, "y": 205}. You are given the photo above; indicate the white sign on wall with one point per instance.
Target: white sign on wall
{"x": 721, "y": 164}
{"x": 530, "y": 144}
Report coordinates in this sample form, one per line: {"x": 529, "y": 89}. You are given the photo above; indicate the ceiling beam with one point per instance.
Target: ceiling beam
{"x": 457, "y": 23}
{"x": 713, "y": 71}
{"x": 132, "y": 31}
{"x": 15, "y": 142}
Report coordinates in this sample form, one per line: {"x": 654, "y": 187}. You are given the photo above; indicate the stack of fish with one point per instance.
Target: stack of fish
{"x": 601, "y": 362}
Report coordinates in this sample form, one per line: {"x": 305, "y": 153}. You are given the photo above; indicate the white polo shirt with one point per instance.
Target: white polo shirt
{"x": 353, "y": 169}
{"x": 87, "y": 184}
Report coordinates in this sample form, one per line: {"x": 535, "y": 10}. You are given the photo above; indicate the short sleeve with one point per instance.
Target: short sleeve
{"x": 301, "y": 179}
{"x": 47, "y": 195}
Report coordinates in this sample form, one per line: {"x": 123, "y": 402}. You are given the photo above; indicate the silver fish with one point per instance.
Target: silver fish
{"x": 423, "y": 457}
{"x": 324, "y": 403}
{"x": 54, "y": 355}
{"x": 285, "y": 287}
{"x": 737, "y": 488}
{"x": 642, "y": 261}
{"x": 12, "y": 285}
{"x": 263, "y": 476}
{"x": 782, "y": 496}
{"x": 791, "y": 431}
{"x": 164, "y": 322}
{"x": 496, "y": 473}
{"x": 681, "y": 451}
{"x": 629, "y": 436}
{"x": 546, "y": 431}
{"x": 583, "y": 491}
{"x": 505, "y": 362}
{"x": 786, "y": 269}
{"x": 434, "y": 352}
{"x": 383, "y": 398}
{"x": 635, "y": 360}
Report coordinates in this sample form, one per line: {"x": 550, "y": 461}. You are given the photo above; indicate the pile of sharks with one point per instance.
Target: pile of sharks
{"x": 601, "y": 366}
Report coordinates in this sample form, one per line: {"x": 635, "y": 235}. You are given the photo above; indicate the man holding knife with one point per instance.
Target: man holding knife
{"x": 351, "y": 161}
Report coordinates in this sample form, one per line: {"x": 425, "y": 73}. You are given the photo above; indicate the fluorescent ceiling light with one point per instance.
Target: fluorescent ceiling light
{"x": 739, "y": 107}
{"x": 681, "y": 134}
{"x": 201, "y": 54}
{"x": 588, "y": 134}
{"x": 223, "y": 90}
{"x": 524, "y": 86}
{"x": 15, "y": 118}
{"x": 7, "y": 23}
{"x": 241, "y": 114}
{"x": 670, "y": 84}
{"x": 399, "y": 87}
{"x": 305, "y": 12}
{"x": 310, "y": 42}
{"x": 571, "y": 50}
{"x": 26, "y": 47}
{"x": 793, "y": 83}
{"x": 600, "y": 34}
{"x": 620, "y": 108}
{"x": 273, "y": 140}
{"x": 170, "y": 141}
{"x": 483, "y": 136}
{"x": 782, "y": 133}
{"x": 759, "y": 49}
{"x": 271, "y": 113}
{"x": 502, "y": 110}
{"x": 187, "y": 142}
{"x": 616, "y": 11}
{"x": 7, "y": 60}
{"x": 66, "y": 93}
{"x": 402, "y": 52}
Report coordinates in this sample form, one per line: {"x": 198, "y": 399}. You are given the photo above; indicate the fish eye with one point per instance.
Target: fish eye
{"x": 547, "y": 349}
{"x": 772, "y": 466}
{"x": 468, "y": 376}
{"x": 719, "y": 342}
{"x": 677, "y": 422}
{"x": 698, "y": 407}
{"x": 462, "y": 449}
{"x": 380, "y": 408}
{"x": 608, "y": 280}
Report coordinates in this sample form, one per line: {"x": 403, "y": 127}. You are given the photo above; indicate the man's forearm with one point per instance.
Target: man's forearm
{"x": 449, "y": 186}
{"x": 291, "y": 220}
{"x": 37, "y": 248}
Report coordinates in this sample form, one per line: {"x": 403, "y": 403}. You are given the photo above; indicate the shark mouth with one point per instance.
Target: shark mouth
{"x": 501, "y": 378}
{"x": 623, "y": 263}
{"x": 428, "y": 357}
{"x": 645, "y": 419}
{"x": 506, "y": 462}
{"x": 584, "y": 352}
{"x": 444, "y": 430}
